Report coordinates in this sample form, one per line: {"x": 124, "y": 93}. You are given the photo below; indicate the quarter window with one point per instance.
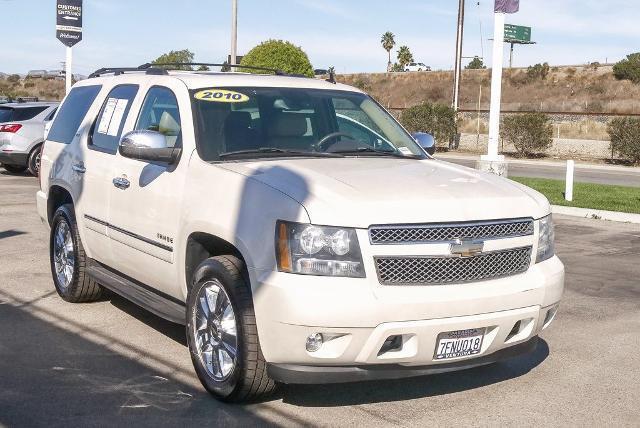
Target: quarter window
{"x": 72, "y": 112}
{"x": 160, "y": 113}
{"x": 108, "y": 127}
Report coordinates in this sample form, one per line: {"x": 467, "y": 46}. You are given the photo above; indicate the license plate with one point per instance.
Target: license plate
{"x": 461, "y": 343}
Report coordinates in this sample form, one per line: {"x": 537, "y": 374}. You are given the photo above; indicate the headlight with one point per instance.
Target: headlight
{"x": 546, "y": 246}
{"x": 318, "y": 250}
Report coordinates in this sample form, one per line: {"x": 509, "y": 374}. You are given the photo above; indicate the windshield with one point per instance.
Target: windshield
{"x": 247, "y": 123}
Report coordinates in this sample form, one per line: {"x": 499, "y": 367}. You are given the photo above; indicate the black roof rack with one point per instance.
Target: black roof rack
{"x": 225, "y": 65}
{"x": 162, "y": 69}
{"x": 116, "y": 71}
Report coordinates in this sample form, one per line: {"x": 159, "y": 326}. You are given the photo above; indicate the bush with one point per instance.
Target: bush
{"x": 14, "y": 78}
{"x": 628, "y": 68}
{"x": 625, "y": 137}
{"x": 530, "y": 133}
{"x": 538, "y": 71}
{"x": 476, "y": 64}
{"x": 280, "y": 55}
{"x": 436, "y": 119}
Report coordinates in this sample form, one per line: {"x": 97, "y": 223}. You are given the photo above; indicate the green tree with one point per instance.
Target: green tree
{"x": 404, "y": 56}
{"x": 388, "y": 43}
{"x": 203, "y": 68}
{"x": 628, "y": 68}
{"x": 173, "y": 57}
{"x": 279, "y": 55}
{"x": 476, "y": 64}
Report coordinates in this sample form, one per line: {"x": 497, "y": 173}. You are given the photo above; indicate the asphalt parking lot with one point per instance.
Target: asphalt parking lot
{"x": 111, "y": 363}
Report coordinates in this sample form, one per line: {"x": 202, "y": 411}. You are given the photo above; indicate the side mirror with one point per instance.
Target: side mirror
{"x": 150, "y": 146}
{"x": 426, "y": 141}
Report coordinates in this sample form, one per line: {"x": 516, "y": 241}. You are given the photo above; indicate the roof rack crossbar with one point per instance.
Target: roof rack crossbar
{"x": 116, "y": 71}
{"x": 206, "y": 64}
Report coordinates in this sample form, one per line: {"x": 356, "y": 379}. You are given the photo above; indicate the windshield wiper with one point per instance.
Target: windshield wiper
{"x": 275, "y": 150}
{"x": 376, "y": 151}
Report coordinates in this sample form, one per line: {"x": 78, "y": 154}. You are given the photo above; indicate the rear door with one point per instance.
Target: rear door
{"x": 145, "y": 216}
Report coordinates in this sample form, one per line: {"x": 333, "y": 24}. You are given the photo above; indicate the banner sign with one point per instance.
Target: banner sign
{"x": 507, "y": 6}
{"x": 69, "y": 21}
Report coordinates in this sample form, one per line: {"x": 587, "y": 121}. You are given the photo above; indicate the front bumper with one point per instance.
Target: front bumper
{"x": 359, "y": 315}
{"x": 299, "y": 374}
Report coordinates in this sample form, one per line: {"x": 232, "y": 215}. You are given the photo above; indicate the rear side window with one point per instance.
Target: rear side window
{"x": 107, "y": 130}
{"x": 6, "y": 114}
{"x": 27, "y": 113}
{"x": 72, "y": 112}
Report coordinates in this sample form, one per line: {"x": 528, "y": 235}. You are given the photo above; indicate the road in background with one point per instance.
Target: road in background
{"x": 111, "y": 363}
{"x": 621, "y": 176}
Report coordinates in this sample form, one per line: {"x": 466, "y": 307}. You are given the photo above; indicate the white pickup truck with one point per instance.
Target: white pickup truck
{"x": 295, "y": 228}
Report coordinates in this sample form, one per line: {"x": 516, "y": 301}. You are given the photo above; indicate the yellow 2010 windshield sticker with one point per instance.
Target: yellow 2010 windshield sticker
{"x": 221, "y": 96}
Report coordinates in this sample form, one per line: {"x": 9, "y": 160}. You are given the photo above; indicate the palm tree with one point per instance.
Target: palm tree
{"x": 388, "y": 42}
{"x": 404, "y": 56}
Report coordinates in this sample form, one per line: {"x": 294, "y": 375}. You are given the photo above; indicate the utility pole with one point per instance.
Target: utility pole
{"x": 69, "y": 70}
{"x": 234, "y": 33}
{"x": 458, "y": 66}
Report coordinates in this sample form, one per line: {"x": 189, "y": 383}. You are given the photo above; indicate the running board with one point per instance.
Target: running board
{"x": 154, "y": 301}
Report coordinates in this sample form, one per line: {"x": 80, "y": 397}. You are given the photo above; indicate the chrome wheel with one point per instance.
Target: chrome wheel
{"x": 215, "y": 332}
{"x": 64, "y": 258}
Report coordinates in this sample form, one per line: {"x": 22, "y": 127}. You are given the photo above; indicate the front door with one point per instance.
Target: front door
{"x": 144, "y": 213}
{"x": 99, "y": 145}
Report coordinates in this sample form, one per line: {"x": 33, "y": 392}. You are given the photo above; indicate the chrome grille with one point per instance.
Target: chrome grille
{"x": 439, "y": 232}
{"x": 451, "y": 270}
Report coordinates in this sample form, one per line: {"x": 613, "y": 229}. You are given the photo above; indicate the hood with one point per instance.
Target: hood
{"x": 359, "y": 192}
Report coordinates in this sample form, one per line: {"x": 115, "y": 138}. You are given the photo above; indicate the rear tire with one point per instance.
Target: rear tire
{"x": 219, "y": 282}
{"x": 15, "y": 169}
{"x": 34, "y": 161}
{"x": 69, "y": 261}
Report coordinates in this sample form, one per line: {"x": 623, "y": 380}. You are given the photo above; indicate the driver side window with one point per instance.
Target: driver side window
{"x": 160, "y": 113}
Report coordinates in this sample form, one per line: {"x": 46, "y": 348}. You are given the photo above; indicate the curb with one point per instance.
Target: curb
{"x": 596, "y": 214}
{"x": 557, "y": 164}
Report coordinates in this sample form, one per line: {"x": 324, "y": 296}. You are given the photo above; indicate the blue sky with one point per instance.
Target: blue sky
{"x": 343, "y": 33}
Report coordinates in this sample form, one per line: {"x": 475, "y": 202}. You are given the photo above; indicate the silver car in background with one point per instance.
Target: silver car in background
{"x": 22, "y": 127}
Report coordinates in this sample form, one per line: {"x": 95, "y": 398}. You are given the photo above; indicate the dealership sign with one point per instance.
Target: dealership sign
{"x": 69, "y": 21}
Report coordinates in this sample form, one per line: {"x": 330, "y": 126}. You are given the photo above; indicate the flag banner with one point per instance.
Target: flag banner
{"x": 507, "y": 6}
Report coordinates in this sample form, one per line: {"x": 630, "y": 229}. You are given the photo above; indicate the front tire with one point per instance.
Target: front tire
{"x": 222, "y": 334}
{"x": 69, "y": 261}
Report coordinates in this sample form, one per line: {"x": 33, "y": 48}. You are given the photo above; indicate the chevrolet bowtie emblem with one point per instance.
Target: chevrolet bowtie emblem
{"x": 466, "y": 247}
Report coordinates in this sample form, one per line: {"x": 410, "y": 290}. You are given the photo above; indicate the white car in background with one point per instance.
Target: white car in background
{"x": 417, "y": 66}
{"x": 22, "y": 129}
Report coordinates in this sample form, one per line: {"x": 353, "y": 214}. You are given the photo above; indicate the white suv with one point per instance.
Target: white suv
{"x": 296, "y": 246}
{"x": 417, "y": 66}
{"x": 22, "y": 129}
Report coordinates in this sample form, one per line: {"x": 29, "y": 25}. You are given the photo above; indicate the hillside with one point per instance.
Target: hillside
{"x": 565, "y": 89}
{"x": 49, "y": 90}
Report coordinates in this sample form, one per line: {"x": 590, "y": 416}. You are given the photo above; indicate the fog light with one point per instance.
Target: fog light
{"x": 314, "y": 342}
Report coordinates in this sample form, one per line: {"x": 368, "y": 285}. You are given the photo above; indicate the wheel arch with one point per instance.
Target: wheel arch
{"x": 201, "y": 246}
{"x": 57, "y": 197}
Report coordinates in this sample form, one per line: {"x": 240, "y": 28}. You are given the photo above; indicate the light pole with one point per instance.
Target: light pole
{"x": 234, "y": 33}
{"x": 458, "y": 66}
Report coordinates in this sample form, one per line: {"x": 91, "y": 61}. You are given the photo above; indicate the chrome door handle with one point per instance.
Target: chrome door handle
{"x": 79, "y": 168}
{"x": 121, "y": 183}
